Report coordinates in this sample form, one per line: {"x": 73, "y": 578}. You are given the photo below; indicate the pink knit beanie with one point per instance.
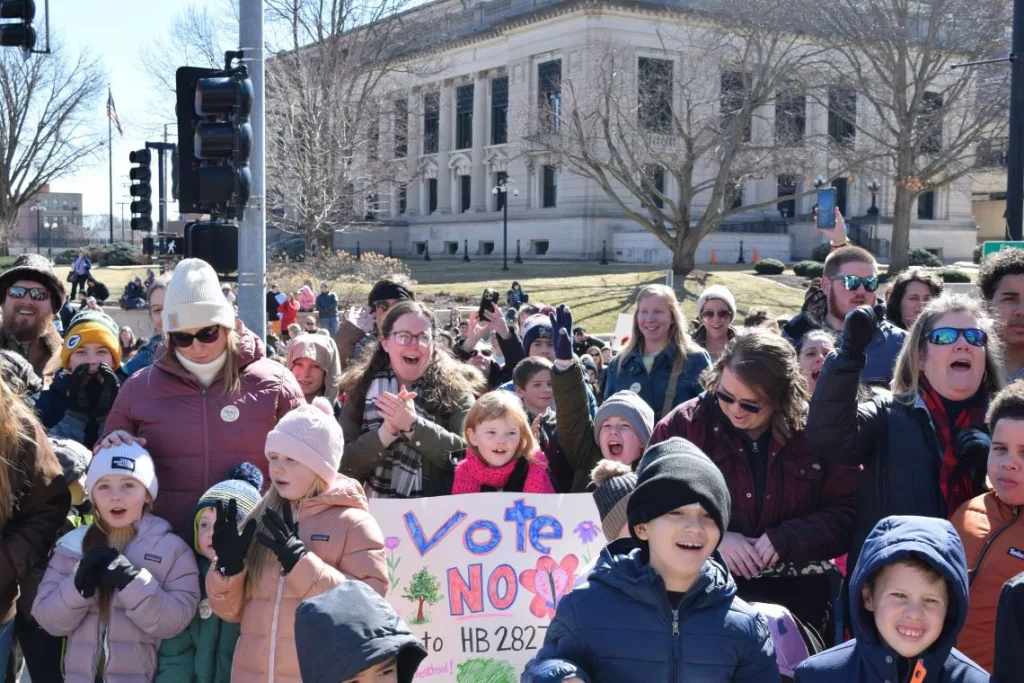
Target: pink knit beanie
{"x": 310, "y": 435}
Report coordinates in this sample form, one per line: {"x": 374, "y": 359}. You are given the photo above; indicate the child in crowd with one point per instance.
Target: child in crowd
{"x": 908, "y": 597}
{"x": 502, "y": 454}
{"x": 74, "y": 458}
{"x": 315, "y": 532}
{"x": 612, "y": 484}
{"x": 119, "y": 586}
{"x": 673, "y": 605}
{"x": 991, "y": 526}
{"x": 202, "y": 653}
{"x": 350, "y": 634}
{"x": 77, "y": 403}
{"x": 532, "y": 382}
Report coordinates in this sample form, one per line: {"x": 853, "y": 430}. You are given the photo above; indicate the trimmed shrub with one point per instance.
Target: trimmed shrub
{"x": 769, "y": 266}
{"x": 66, "y": 257}
{"x": 119, "y": 255}
{"x": 821, "y": 252}
{"x": 810, "y": 269}
{"x": 954, "y": 275}
{"x": 922, "y": 257}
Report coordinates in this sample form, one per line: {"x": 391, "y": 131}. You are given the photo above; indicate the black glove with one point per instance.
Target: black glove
{"x": 231, "y": 546}
{"x": 283, "y": 538}
{"x": 91, "y": 568}
{"x": 119, "y": 573}
{"x": 973, "y": 444}
{"x": 561, "y": 332}
{"x": 77, "y": 391}
{"x": 858, "y": 329}
{"x": 110, "y": 385}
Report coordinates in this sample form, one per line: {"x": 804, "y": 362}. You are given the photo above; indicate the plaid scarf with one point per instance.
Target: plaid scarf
{"x": 954, "y": 475}
{"x": 400, "y": 473}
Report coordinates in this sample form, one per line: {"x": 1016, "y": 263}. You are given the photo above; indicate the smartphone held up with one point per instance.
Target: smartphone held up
{"x": 826, "y": 216}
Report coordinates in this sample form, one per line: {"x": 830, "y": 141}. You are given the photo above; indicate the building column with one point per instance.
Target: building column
{"x": 444, "y": 174}
{"x": 413, "y": 147}
{"x": 479, "y": 172}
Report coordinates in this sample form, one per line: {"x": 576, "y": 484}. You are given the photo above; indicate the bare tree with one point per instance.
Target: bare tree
{"x": 924, "y": 118}
{"x": 48, "y": 124}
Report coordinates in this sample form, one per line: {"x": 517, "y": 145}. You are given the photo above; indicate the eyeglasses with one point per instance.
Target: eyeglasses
{"x": 852, "y": 282}
{"x": 34, "y": 293}
{"x": 944, "y": 336}
{"x": 751, "y": 408}
{"x": 486, "y": 353}
{"x": 183, "y": 340}
{"x": 382, "y": 306}
{"x": 407, "y": 338}
{"x": 708, "y": 315}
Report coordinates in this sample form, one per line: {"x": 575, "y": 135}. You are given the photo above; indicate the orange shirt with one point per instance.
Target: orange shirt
{"x": 993, "y": 537}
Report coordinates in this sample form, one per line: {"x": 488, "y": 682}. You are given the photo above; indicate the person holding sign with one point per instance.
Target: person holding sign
{"x": 668, "y": 592}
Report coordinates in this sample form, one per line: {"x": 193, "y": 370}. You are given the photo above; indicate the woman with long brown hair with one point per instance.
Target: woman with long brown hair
{"x": 407, "y": 403}
{"x": 792, "y": 512}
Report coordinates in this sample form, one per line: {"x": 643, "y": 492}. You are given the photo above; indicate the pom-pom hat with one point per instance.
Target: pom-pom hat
{"x": 310, "y": 435}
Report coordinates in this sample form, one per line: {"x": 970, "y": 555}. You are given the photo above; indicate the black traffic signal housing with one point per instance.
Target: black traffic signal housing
{"x": 213, "y": 109}
{"x": 18, "y": 33}
{"x": 216, "y": 243}
{"x": 141, "y": 190}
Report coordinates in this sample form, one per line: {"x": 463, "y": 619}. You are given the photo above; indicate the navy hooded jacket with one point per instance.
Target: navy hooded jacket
{"x": 867, "y": 658}
{"x": 618, "y": 627}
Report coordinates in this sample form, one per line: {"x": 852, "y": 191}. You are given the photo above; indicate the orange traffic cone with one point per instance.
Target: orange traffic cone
{"x": 756, "y": 257}
{"x": 714, "y": 260}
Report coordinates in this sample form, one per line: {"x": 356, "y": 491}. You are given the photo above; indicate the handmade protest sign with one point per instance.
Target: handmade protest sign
{"x": 479, "y": 576}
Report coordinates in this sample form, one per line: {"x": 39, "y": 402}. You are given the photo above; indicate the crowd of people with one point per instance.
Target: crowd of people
{"x": 830, "y": 497}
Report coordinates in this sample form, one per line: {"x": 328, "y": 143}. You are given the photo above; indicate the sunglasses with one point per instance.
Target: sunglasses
{"x": 708, "y": 315}
{"x": 944, "y": 336}
{"x": 183, "y": 340}
{"x": 852, "y": 282}
{"x": 595, "y": 355}
{"x": 751, "y": 408}
{"x": 486, "y": 353}
{"x": 382, "y": 306}
{"x": 34, "y": 293}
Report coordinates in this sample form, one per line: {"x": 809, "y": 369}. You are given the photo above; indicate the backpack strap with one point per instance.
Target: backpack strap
{"x": 673, "y": 380}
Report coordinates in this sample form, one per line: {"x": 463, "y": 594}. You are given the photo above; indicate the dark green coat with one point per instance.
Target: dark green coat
{"x": 575, "y": 425}
{"x": 202, "y": 653}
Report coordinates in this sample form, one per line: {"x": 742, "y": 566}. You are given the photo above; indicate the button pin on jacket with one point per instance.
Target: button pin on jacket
{"x": 229, "y": 413}
{"x": 635, "y": 387}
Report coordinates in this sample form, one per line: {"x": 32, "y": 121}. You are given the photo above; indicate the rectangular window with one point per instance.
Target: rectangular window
{"x": 733, "y": 101}
{"x": 931, "y": 123}
{"x": 401, "y": 128}
{"x": 842, "y": 115}
{"x": 465, "y": 193}
{"x": 790, "y": 115}
{"x": 842, "y": 192}
{"x": 431, "y": 195}
{"x": 655, "y": 179}
{"x": 403, "y": 199}
{"x": 926, "y": 206}
{"x": 499, "y": 111}
{"x": 431, "y": 122}
{"x": 451, "y": 247}
{"x": 539, "y": 247}
{"x": 549, "y": 85}
{"x": 499, "y": 199}
{"x": 786, "y": 185}
{"x": 486, "y": 248}
{"x": 464, "y": 116}
{"x": 654, "y": 94}
{"x": 550, "y": 198}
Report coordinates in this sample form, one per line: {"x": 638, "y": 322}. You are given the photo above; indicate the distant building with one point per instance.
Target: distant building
{"x": 59, "y": 213}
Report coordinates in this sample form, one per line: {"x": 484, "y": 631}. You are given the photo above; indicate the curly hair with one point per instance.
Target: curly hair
{"x": 898, "y": 289}
{"x": 767, "y": 364}
{"x": 997, "y": 266}
{"x": 441, "y": 387}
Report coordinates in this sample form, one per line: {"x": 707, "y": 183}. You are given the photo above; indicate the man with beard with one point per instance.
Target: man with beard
{"x": 30, "y": 295}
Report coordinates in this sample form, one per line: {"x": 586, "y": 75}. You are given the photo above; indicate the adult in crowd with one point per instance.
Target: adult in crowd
{"x": 361, "y": 327}
{"x": 34, "y": 501}
{"x": 208, "y": 401}
{"x": 272, "y": 304}
{"x": 516, "y": 297}
{"x": 792, "y": 511}
{"x": 79, "y": 274}
{"x": 289, "y": 311}
{"x": 600, "y": 367}
{"x": 761, "y": 317}
{"x": 30, "y": 295}
{"x": 309, "y": 324}
{"x": 581, "y": 341}
{"x": 660, "y": 361}
{"x": 922, "y": 446}
{"x": 97, "y": 290}
{"x": 129, "y": 344}
{"x": 479, "y": 352}
{"x": 134, "y": 296}
{"x": 307, "y": 302}
{"x": 313, "y": 360}
{"x": 1001, "y": 280}
{"x": 145, "y": 355}
{"x": 811, "y": 315}
{"x": 406, "y": 404}
{"x": 716, "y": 308}
{"x": 327, "y": 309}
{"x": 908, "y": 295}
{"x": 89, "y": 303}
{"x": 813, "y": 350}
{"x": 229, "y": 294}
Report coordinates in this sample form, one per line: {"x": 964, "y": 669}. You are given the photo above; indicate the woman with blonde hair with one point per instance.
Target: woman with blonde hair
{"x": 922, "y": 447}
{"x": 208, "y": 401}
{"x": 660, "y": 362}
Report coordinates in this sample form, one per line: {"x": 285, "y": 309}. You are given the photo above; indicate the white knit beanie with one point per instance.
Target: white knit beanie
{"x": 194, "y": 299}
{"x": 130, "y": 460}
{"x": 311, "y": 435}
{"x": 718, "y": 292}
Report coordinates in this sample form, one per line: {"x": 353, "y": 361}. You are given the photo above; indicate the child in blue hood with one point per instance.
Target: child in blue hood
{"x": 910, "y": 589}
{"x": 668, "y": 610}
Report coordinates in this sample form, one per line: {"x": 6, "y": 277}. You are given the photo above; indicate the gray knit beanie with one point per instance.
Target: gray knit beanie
{"x": 719, "y": 292}
{"x": 613, "y": 481}
{"x": 630, "y": 407}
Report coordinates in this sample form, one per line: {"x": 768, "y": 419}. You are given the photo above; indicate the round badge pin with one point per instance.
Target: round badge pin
{"x": 229, "y": 413}
{"x": 635, "y": 388}
{"x": 205, "y": 611}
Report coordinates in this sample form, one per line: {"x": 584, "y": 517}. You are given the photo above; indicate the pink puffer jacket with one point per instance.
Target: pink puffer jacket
{"x": 158, "y": 604}
{"x": 344, "y": 543}
{"x": 196, "y": 435}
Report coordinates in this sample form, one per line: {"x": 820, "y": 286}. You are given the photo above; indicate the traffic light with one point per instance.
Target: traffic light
{"x": 141, "y": 190}
{"x": 213, "y": 109}
{"x": 18, "y": 33}
{"x": 215, "y": 243}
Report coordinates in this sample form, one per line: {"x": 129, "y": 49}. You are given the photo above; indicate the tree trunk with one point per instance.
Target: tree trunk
{"x": 419, "y": 614}
{"x": 899, "y": 245}
{"x": 683, "y": 257}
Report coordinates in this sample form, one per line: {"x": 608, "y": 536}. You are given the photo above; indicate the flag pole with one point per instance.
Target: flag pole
{"x": 110, "y": 158}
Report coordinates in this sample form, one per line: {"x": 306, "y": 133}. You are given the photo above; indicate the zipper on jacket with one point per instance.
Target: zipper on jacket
{"x": 988, "y": 543}
{"x": 273, "y": 627}
{"x": 675, "y": 643}
{"x": 206, "y": 438}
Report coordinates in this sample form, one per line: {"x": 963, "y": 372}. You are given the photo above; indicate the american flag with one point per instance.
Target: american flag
{"x": 112, "y": 113}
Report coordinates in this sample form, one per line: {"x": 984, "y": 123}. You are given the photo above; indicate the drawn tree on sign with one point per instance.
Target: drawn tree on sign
{"x": 425, "y": 589}
{"x": 486, "y": 670}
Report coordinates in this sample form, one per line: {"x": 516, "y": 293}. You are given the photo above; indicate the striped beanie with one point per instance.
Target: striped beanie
{"x": 242, "y": 485}
{"x": 91, "y": 327}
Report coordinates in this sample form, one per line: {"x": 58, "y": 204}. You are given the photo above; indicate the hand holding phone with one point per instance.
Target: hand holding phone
{"x": 488, "y": 300}
{"x": 825, "y": 218}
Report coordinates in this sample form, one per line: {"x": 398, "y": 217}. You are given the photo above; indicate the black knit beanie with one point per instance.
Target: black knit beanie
{"x": 675, "y": 473}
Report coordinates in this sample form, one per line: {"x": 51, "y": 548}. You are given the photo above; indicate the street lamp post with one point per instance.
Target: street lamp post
{"x": 873, "y": 187}
{"x": 503, "y": 189}
{"x": 50, "y": 227}
{"x": 38, "y": 209}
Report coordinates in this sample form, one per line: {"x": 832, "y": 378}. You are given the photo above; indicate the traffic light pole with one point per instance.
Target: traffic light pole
{"x": 1015, "y": 166}
{"x": 252, "y": 237}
